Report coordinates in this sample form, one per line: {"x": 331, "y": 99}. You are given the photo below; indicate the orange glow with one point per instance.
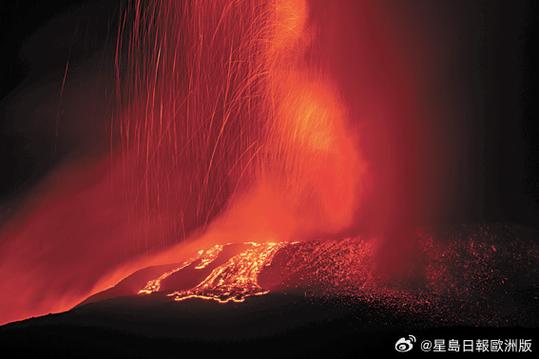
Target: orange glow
{"x": 205, "y": 257}
{"x": 288, "y": 27}
{"x": 226, "y": 132}
{"x": 236, "y": 279}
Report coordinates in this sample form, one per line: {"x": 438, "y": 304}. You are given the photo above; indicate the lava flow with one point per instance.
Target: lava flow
{"x": 234, "y": 280}
{"x": 205, "y": 257}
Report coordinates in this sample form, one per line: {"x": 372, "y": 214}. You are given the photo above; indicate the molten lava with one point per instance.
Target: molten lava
{"x": 204, "y": 256}
{"x": 234, "y": 280}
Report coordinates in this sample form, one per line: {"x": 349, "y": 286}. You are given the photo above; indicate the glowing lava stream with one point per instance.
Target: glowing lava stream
{"x": 205, "y": 257}
{"x": 234, "y": 280}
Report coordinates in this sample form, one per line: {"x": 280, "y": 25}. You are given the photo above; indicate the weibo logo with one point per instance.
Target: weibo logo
{"x": 404, "y": 344}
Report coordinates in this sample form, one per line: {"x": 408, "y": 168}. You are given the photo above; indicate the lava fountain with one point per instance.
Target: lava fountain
{"x": 226, "y": 129}
{"x": 225, "y": 116}
{"x": 232, "y": 128}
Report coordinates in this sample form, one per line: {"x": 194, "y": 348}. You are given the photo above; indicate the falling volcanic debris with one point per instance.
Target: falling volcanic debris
{"x": 226, "y": 114}
{"x": 222, "y": 109}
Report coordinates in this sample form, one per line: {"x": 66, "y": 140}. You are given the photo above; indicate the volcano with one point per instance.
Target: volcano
{"x": 291, "y": 297}
{"x": 280, "y": 178}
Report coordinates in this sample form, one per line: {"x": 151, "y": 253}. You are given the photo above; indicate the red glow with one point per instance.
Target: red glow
{"x": 227, "y": 129}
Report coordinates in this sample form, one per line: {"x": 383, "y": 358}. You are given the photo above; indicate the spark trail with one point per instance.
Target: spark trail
{"x": 225, "y": 120}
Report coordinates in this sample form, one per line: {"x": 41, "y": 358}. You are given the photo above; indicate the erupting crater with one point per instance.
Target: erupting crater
{"x": 471, "y": 269}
